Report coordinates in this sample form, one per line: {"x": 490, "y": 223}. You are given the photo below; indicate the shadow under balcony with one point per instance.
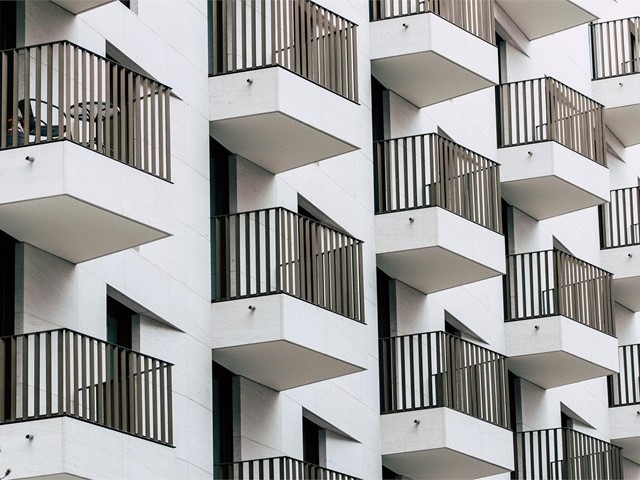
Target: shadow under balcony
{"x": 559, "y": 319}
{"x": 281, "y": 79}
{"x": 445, "y": 408}
{"x": 438, "y": 217}
{"x": 288, "y": 303}
{"x": 284, "y": 468}
{"x": 85, "y": 158}
{"x": 624, "y": 402}
{"x": 616, "y": 83}
{"x": 64, "y": 387}
{"x": 551, "y": 148}
{"x": 432, "y": 51}
{"x": 565, "y": 453}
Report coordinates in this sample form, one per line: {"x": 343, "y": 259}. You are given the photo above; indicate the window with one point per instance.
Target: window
{"x": 119, "y": 323}
{"x": 311, "y": 434}
{"x": 219, "y": 204}
{"x": 222, "y": 415}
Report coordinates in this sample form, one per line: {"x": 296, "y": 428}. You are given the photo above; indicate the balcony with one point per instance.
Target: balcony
{"x": 87, "y": 172}
{"x": 620, "y": 243}
{"x": 557, "y": 15}
{"x": 624, "y": 400}
{"x": 616, "y": 84}
{"x": 559, "y": 319}
{"x": 551, "y": 148}
{"x": 445, "y": 408}
{"x": 272, "y": 76}
{"x": 564, "y": 453}
{"x": 289, "y": 299}
{"x": 448, "y": 46}
{"x": 69, "y": 386}
{"x": 80, "y": 6}
{"x": 284, "y": 468}
{"x": 437, "y": 210}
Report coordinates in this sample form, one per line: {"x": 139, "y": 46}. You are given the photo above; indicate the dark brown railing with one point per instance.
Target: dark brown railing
{"x": 624, "y": 386}
{"x": 551, "y": 282}
{"x": 474, "y": 16}
{"x": 298, "y": 35}
{"x": 284, "y": 468}
{"x": 615, "y": 47}
{"x": 62, "y": 91}
{"x": 620, "y": 219}
{"x": 435, "y": 369}
{"x": 544, "y": 109}
{"x": 564, "y": 454}
{"x": 278, "y": 251}
{"x": 431, "y": 171}
{"x": 64, "y": 373}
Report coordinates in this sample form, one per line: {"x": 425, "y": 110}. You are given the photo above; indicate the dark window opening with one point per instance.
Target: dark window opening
{"x": 502, "y": 59}
{"x": 219, "y": 205}
{"x": 566, "y": 420}
{"x": 8, "y": 20}
{"x": 126, "y": 3}
{"x": 310, "y": 442}
{"x": 222, "y": 415}
{"x": 452, "y": 330}
{"x": 119, "y": 324}
{"x": 377, "y": 109}
{"x": 7, "y": 284}
{"x": 388, "y": 474}
{"x": 384, "y": 303}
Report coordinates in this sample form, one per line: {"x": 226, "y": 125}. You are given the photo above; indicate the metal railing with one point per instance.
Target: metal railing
{"x": 551, "y": 282}
{"x": 278, "y": 251}
{"x": 624, "y": 386}
{"x": 436, "y": 369}
{"x": 544, "y": 109}
{"x": 432, "y": 171}
{"x": 65, "y": 373}
{"x": 620, "y": 219}
{"x": 284, "y": 468}
{"x": 615, "y": 47}
{"x": 474, "y": 16}
{"x": 60, "y": 91}
{"x": 565, "y": 454}
{"x": 298, "y": 35}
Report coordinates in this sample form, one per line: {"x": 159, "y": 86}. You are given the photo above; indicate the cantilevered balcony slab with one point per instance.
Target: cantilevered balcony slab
{"x": 624, "y": 263}
{"x": 432, "y": 249}
{"x": 78, "y": 204}
{"x": 442, "y": 443}
{"x": 555, "y": 350}
{"x": 426, "y": 59}
{"x": 280, "y": 120}
{"x": 624, "y": 422}
{"x": 621, "y": 97}
{"x": 283, "y": 342}
{"x": 538, "y": 20}
{"x": 80, "y": 6}
{"x": 547, "y": 179}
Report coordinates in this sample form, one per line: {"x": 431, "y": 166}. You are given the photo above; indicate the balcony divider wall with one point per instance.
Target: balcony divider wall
{"x": 436, "y": 369}
{"x": 551, "y": 282}
{"x": 615, "y": 47}
{"x": 285, "y": 468}
{"x": 431, "y": 171}
{"x": 563, "y": 453}
{"x": 58, "y": 373}
{"x": 60, "y": 91}
{"x": 545, "y": 109}
{"x": 275, "y": 250}
{"x": 620, "y": 219}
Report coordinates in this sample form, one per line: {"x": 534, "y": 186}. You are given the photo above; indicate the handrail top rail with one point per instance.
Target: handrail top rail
{"x": 73, "y": 44}
{"x": 90, "y": 337}
{"x": 285, "y": 457}
{"x": 564, "y": 253}
{"x": 446, "y": 334}
{"x": 435, "y": 134}
{"x": 285, "y": 209}
{"x": 572, "y": 430}
{"x": 602, "y": 22}
{"x": 633, "y": 187}
{"x": 548, "y": 77}
{"x": 332, "y": 12}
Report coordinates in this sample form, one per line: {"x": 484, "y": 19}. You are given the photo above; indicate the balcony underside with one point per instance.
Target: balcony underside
{"x": 77, "y": 204}
{"x": 621, "y": 98}
{"x": 445, "y": 444}
{"x": 285, "y": 342}
{"x": 552, "y": 181}
{"x": 624, "y": 263}
{"x": 623, "y": 121}
{"x": 310, "y": 122}
{"x": 79, "y": 6}
{"x": 625, "y": 430}
{"x": 437, "y": 250}
{"x": 559, "y": 352}
{"x": 431, "y": 60}
{"x": 557, "y": 15}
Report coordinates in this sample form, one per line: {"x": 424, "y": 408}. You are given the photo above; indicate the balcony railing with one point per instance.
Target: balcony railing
{"x": 284, "y": 468}
{"x": 624, "y": 386}
{"x": 562, "y": 453}
{"x": 298, "y": 35}
{"x": 59, "y": 91}
{"x": 620, "y": 219}
{"x": 544, "y": 109}
{"x": 435, "y": 369}
{"x": 64, "y": 373}
{"x": 551, "y": 282}
{"x": 615, "y": 47}
{"x": 277, "y": 251}
{"x": 474, "y": 16}
{"x": 431, "y": 171}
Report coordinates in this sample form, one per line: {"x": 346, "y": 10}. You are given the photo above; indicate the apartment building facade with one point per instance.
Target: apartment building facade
{"x": 339, "y": 239}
